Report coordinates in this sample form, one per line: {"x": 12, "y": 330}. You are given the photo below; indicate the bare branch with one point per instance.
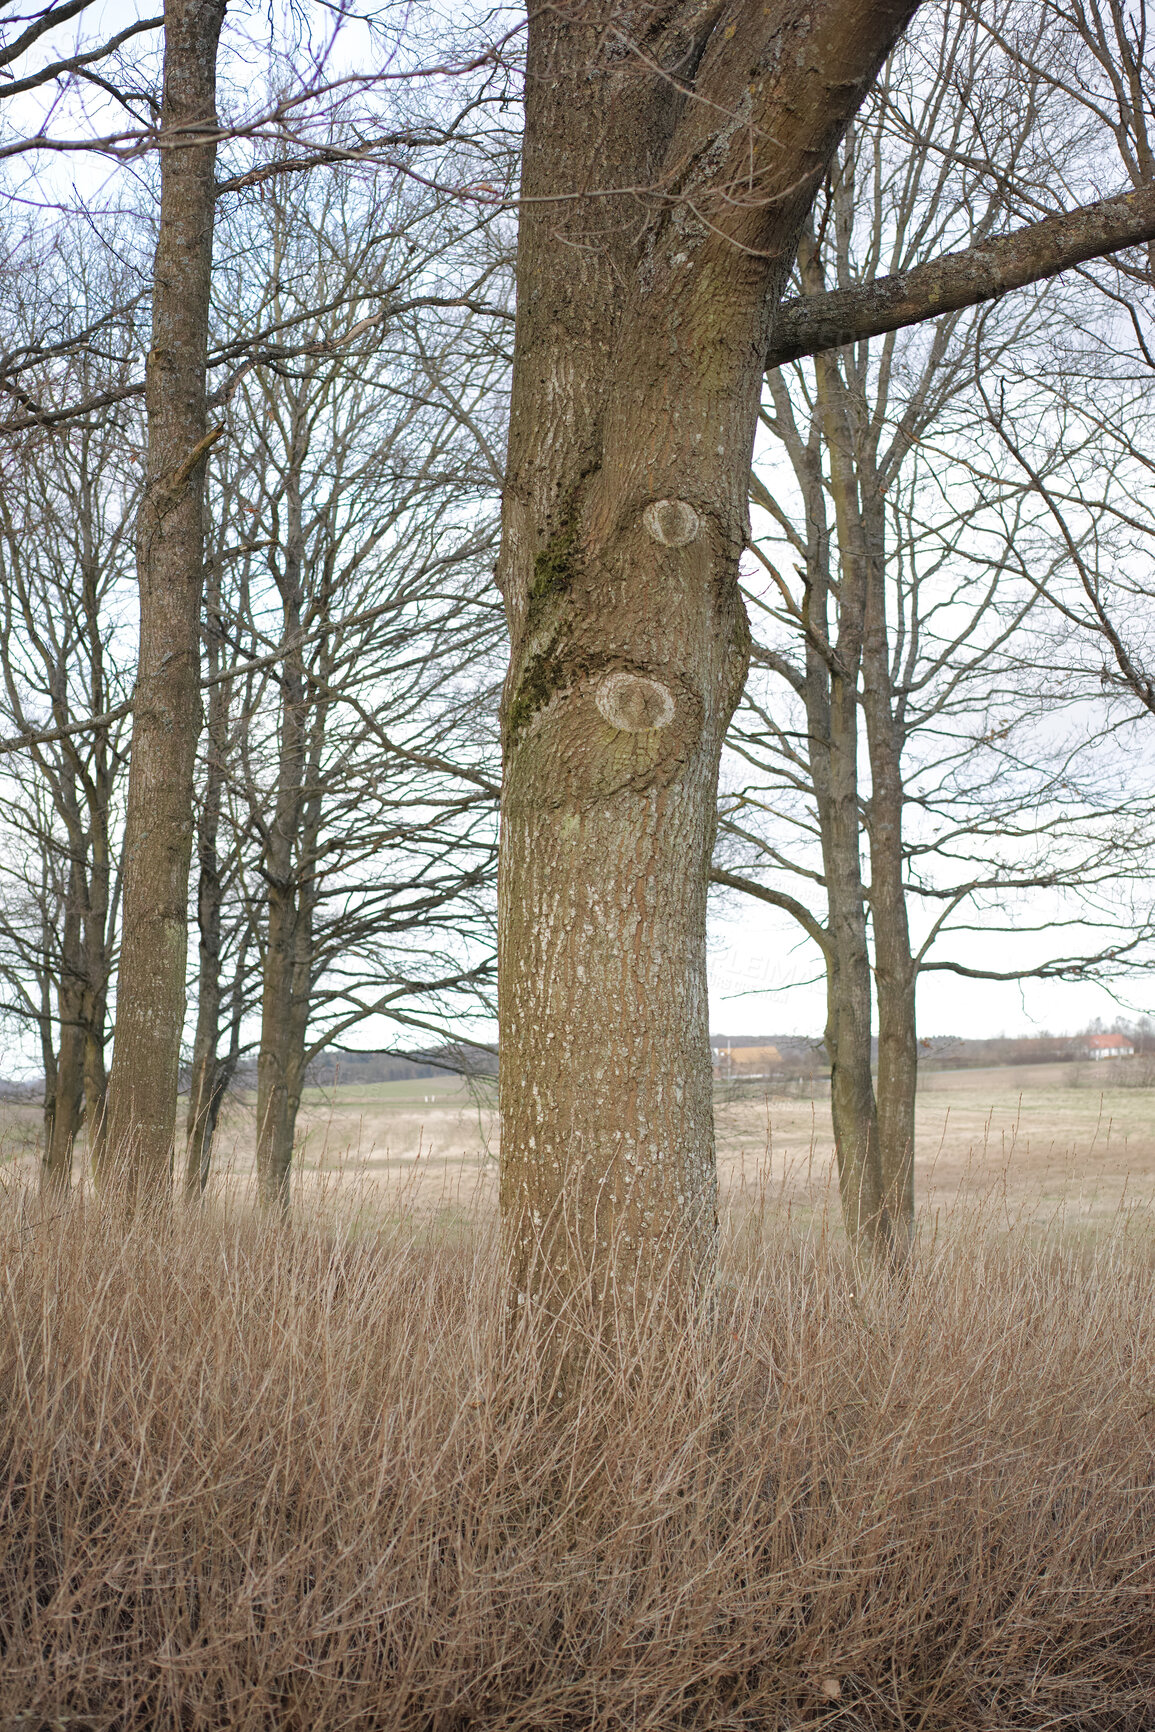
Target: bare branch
{"x": 815, "y": 323}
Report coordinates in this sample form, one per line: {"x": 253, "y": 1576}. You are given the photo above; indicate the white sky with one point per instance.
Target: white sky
{"x": 763, "y": 981}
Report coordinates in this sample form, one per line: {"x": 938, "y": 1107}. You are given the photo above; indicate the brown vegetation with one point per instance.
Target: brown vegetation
{"x": 296, "y": 1478}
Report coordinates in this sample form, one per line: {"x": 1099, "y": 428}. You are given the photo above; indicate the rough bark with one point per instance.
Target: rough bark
{"x": 63, "y": 1124}
{"x": 170, "y": 551}
{"x": 895, "y": 971}
{"x": 810, "y": 325}
{"x": 205, "y": 1083}
{"x": 641, "y": 335}
{"x": 290, "y": 858}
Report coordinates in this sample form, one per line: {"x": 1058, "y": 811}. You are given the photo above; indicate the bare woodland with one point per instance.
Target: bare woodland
{"x": 477, "y": 485}
{"x": 858, "y": 530}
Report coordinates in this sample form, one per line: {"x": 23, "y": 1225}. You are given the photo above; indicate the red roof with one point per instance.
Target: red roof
{"x": 1108, "y": 1042}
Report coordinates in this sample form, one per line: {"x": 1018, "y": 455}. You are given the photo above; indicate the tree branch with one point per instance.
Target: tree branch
{"x": 814, "y": 323}
{"x": 776, "y": 899}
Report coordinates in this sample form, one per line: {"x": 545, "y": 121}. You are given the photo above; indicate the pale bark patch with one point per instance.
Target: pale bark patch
{"x": 672, "y": 522}
{"x": 633, "y": 704}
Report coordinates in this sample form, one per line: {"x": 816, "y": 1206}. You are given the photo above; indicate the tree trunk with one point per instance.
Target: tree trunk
{"x": 205, "y": 1089}
{"x": 859, "y": 507}
{"x": 289, "y": 865}
{"x": 849, "y": 1020}
{"x": 642, "y": 328}
{"x": 100, "y": 898}
{"x": 203, "y": 1080}
{"x": 894, "y": 968}
{"x": 849, "y": 1000}
{"x": 832, "y": 725}
{"x": 47, "y": 1059}
{"x": 68, "y": 1070}
{"x": 281, "y": 1065}
{"x": 170, "y": 538}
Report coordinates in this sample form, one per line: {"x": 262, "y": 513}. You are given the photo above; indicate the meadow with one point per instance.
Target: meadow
{"x": 1050, "y": 1142}
{"x": 311, "y": 1476}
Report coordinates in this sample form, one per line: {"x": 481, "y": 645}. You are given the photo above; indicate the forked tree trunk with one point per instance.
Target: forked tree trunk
{"x": 170, "y": 545}
{"x": 849, "y": 1021}
{"x": 642, "y": 330}
{"x": 859, "y": 505}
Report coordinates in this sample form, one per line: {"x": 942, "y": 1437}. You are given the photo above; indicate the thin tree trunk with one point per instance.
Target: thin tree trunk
{"x": 894, "y": 968}
{"x": 203, "y": 1080}
{"x": 848, "y": 1025}
{"x": 48, "y": 1059}
{"x": 205, "y": 1090}
{"x": 68, "y": 1102}
{"x": 99, "y": 913}
{"x": 849, "y": 1000}
{"x": 285, "y": 988}
{"x": 637, "y": 373}
{"x": 170, "y": 550}
{"x": 281, "y": 1066}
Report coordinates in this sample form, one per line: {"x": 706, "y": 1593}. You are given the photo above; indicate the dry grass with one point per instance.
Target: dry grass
{"x": 297, "y": 1478}
{"x": 1050, "y": 1148}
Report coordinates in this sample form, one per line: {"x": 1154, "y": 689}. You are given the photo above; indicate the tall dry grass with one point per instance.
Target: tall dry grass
{"x": 297, "y": 1479}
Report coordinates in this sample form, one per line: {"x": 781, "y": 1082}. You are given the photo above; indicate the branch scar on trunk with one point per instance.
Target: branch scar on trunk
{"x": 672, "y": 522}
{"x": 633, "y": 704}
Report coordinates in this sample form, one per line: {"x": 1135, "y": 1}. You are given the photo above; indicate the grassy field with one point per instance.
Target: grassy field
{"x": 1039, "y": 1139}
{"x": 310, "y": 1479}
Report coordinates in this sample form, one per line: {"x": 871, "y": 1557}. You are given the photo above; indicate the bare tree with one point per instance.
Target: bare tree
{"x": 66, "y": 510}
{"x": 1080, "y": 433}
{"x": 905, "y": 626}
{"x": 170, "y": 556}
{"x": 361, "y": 496}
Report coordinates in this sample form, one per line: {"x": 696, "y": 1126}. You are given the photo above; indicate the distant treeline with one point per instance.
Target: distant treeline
{"x": 804, "y": 1055}
{"x": 332, "y": 1067}
{"x": 948, "y": 1052}
{"x": 377, "y": 1067}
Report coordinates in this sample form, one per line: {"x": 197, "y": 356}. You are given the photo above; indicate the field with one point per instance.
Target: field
{"x": 311, "y": 1479}
{"x": 1045, "y": 1140}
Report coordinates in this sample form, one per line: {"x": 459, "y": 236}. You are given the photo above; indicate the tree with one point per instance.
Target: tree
{"x": 355, "y": 502}
{"x": 646, "y": 310}
{"x": 66, "y": 511}
{"x": 170, "y": 560}
{"x": 1081, "y": 434}
{"x": 897, "y": 689}
{"x": 877, "y": 554}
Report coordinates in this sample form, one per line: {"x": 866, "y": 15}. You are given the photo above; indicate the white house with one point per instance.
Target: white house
{"x": 1106, "y": 1046}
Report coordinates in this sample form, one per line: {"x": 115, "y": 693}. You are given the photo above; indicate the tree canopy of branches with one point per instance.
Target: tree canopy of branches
{"x": 321, "y": 456}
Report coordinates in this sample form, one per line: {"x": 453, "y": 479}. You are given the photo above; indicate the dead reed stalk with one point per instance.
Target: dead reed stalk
{"x": 300, "y": 1478}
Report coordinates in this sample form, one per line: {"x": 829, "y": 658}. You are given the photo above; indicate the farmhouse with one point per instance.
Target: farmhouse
{"x": 746, "y": 1060}
{"x": 1106, "y": 1046}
